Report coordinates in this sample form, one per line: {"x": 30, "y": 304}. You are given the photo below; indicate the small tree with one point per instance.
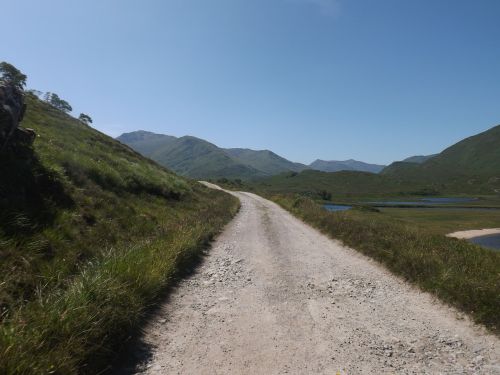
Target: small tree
{"x": 12, "y": 75}
{"x": 325, "y": 195}
{"x": 55, "y": 101}
{"x": 86, "y": 119}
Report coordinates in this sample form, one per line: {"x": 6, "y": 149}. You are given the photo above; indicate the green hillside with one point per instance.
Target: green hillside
{"x": 145, "y": 143}
{"x": 188, "y": 156}
{"x": 342, "y": 184}
{"x": 264, "y": 160}
{"x": 418, "y": 158}
{"x": 196, "y": 158}
{"x": 471, "y": 165}
{"x": 478, "y": 155}
{"x": 401, "y": 169}
{"x": 90, "y": 234}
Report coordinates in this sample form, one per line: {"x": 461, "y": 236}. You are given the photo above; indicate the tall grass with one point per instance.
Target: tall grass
{"x": 459, "y": 273}
{"x": 76, "y": 329}
{"x": 91, "y": 233}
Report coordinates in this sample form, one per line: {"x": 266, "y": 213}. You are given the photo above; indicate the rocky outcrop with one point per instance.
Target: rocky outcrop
{"x": 12, "y": 108}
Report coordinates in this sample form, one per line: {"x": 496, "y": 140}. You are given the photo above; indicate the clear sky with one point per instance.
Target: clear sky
{"x": 373, "y": 80}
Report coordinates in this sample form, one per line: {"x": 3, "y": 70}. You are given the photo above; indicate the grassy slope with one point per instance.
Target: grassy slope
{"x": 197, "y": 158}
{"x": 189, "y": 156}
{"x": 478, "y": 155}
{"x": 145, "y": 143}
{"x": 344, "y": 185}
{"x": 418, "y": 158}
{"x": 264, "y": 160}
{"x": 90, "y": 234}
{"x": 472, "y": 164}
{"x": 458, "y": 272}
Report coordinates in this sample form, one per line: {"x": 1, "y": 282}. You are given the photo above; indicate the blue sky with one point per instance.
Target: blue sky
{"x": 374, "y": 80}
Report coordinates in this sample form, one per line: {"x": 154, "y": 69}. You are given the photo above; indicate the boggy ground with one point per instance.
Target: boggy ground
{"x": 275, "y": 296}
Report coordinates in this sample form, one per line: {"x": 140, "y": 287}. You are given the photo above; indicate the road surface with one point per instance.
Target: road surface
{"x": 275, "y": 296}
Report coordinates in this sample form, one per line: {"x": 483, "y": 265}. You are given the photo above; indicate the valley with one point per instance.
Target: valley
{"x": 467, "y": 167}
{"x": 250, "y": 187}
{"x": 102, "y": 232}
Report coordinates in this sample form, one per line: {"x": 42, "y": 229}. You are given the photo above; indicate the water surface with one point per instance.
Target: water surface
{"x": 491, "y": 241}
{"x": 448, "y": 200}
{"x": 337, "y": 207}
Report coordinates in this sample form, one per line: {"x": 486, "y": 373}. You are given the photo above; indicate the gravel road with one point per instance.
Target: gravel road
{"x": 275, "y": 296}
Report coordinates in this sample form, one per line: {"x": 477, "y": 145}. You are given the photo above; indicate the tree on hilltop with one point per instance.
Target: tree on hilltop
{"x": 11, "y": 75}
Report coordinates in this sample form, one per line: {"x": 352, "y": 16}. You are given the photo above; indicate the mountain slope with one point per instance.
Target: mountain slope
{"x": 145, "y": 143}
{"x": 91, "y": 233}
{"x": 471, "y": 164}
{"x": 189, "y": 156}
{"x": 197, "y": 158}
{"x": 419, "y": 159}
{"x": 264, "y": 160}
{"x": 476, "y": 155}
{"x": 401, "y": 169}
{"x": 345, "y": 165}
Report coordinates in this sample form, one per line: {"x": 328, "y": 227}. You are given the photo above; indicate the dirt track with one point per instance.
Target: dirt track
{"x": 274, "y": 296}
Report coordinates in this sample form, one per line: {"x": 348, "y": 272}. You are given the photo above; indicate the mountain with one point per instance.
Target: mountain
{"x": 197, "y": 158}
{"x": 189, "y": 156}
{"x": 419, "y": 159}
{"x": 145, "y": 143}
{"x": 345, "y": 165}
{"x": 264, "y": 160}
{"x": 91, "y": 234}
{"x": 472, "y": 164}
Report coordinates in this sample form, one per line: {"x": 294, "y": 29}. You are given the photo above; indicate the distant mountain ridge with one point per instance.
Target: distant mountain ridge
{"x": 189, "y": 156}
{"x": 471, "y": 166}
{"x": 145, "y": 143}
{"x": 345, "y": 165}
{"x": 265, "y": 160}
{"x": 197, "y": 158}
